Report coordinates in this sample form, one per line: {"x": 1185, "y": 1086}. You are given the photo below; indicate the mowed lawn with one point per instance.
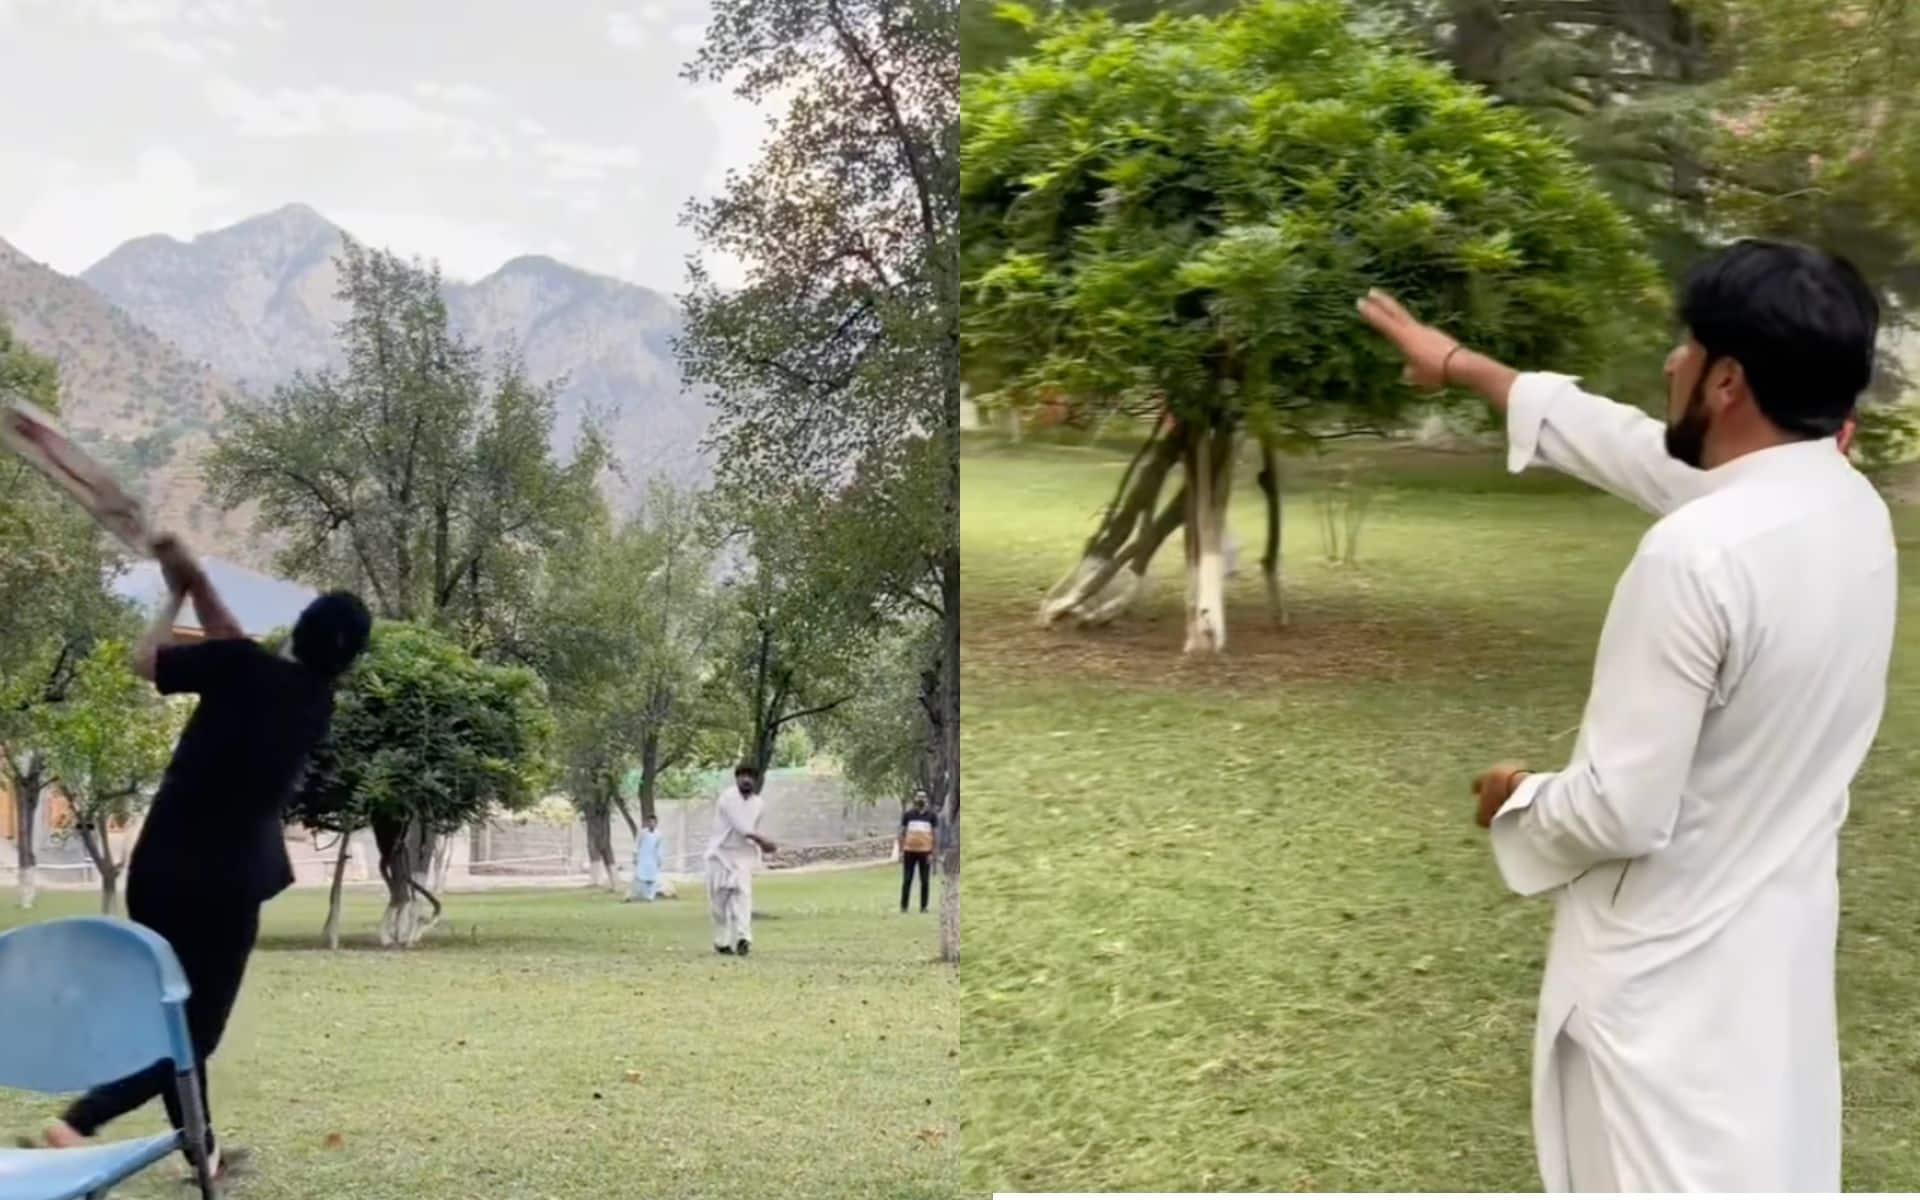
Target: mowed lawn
{"x": 1231, "y": 925}
{"x": 559, "y": 1044}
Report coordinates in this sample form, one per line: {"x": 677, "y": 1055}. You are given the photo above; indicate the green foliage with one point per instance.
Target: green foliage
{"x": 793, "y": 748}
{"x": 623, "y": 634}
{"x": 55, "y": 606}
{"x": 684, "y": 782}
{"x": 878, "y": 737}
{"x": 1887, "y": 436}
{"x": 108, "y": 740}
{"x": 993, "y": 31}
{"x": 1808, "y": 128}
{"x": 796, "y": 625}
{"x": 425, "y": 734}
{"x": 836, "y": 366}
{"x": 1188, "y": 209}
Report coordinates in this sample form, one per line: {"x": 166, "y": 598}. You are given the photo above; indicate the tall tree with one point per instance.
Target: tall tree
{"x": 55, "y": 606}
{"x": 625, "y": 629}
{"x": 107, "y": 743}
{"x": 878, "y": 736}
{"x": 1709, "y": 119}
{"x": 414, "y": 473}
{"x": 1185, "y": 241}
{"x": 792, "y": 639}
{"x": 840, "y": 354}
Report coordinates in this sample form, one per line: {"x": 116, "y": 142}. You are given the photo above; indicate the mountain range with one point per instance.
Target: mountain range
{"x": 158, "y": 337}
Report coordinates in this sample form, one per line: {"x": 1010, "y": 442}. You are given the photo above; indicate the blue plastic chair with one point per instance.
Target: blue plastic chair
{"x": 89, "y": 1000}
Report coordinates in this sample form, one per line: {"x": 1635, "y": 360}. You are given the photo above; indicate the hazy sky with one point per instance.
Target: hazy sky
{"x": 467, "y": 130}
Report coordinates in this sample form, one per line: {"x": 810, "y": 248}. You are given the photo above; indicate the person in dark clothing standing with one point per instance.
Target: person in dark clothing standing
{"x": 918, "y": 826}
{"x": 212, "y": 849}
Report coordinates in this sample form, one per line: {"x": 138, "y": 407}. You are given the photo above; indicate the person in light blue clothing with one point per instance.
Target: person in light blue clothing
{"x": 646, "y": 862}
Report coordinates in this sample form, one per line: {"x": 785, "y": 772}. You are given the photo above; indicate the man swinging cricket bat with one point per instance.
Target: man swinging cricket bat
{"x": 211, "y": 850}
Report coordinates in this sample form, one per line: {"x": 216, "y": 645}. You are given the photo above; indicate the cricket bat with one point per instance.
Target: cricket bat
{"x": 36, "y": 437}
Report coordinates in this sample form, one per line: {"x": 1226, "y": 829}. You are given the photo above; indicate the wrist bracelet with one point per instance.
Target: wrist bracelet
{"x": 1447, "y": 362}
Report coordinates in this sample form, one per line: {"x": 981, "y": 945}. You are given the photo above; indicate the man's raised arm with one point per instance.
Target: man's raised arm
{"x": 1550, "y": 420}
{"x": 186, "y": 575}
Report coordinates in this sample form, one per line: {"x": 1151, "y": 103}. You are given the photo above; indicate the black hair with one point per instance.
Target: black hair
{"x": 1800, "y": 322}
{"x": 331, "y": 633}
{"x": 750, "y": 771}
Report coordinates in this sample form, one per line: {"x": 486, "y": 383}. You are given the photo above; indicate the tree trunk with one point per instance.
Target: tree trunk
{"x": 1270, "y": 560}
{"x": 1118, "y": 582}
{"x": 406, "y": 850}
{"x": 331, "y": 931}
{"x": 1209, "y": 479}
{"x": 1478, "y": 46}
{"x": 26, "y": 810}
{"x": 1083, "y": 590}
{"x": 649, "y": 775}
{"x": 601, "y": 872}
{"x": 948, "y": 762}
{"x": 100, "y": 850}
{"x": 442, "y": 863}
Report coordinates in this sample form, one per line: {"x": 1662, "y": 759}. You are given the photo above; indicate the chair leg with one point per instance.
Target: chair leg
{"x": 196, "y": 1133}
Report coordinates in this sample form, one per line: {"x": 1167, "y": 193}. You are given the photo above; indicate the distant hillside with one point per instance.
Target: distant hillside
{"x": 126, "y": 395}
{"x": 256, "y": 301}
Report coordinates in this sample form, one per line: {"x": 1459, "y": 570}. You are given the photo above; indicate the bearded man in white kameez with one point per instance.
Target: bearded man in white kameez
{"x": 1686, "y": 1038}
{"x": 732, "y": 852}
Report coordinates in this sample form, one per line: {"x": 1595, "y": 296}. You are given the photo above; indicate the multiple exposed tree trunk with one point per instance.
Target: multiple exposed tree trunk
{"x": 1112, "y": 571}
{"x": 774, "y": 689}
{"x": 406, "y": 857}
{"x": 601, "y": 871}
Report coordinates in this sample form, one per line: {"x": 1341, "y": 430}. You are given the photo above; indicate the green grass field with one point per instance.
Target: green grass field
{"x": 1231, "y": 926}
{"x": 494, "y": 1060}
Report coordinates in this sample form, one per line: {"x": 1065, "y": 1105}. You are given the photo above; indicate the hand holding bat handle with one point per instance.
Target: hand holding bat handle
{"x": 177, "y": 565}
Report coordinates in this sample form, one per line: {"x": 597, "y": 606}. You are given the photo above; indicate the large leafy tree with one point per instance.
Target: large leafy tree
{"x": 1708, "y": 119}
{"x": 107, "y": 743}
{"x": 625, "y": 630}
{"x": 1174, "y": 220}
{"x": 425, "y": 738}
{"x": 878, "y": 736}
{"x": 55, "y": 605}
{"x": 792, "y": 639}
{"x": 1709, "y": 116}
{"x": 840, "y": 354}
{"x": 416, "y": 472}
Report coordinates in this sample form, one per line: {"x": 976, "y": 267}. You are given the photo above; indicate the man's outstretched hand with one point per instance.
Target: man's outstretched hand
{"x": 1493, "y": 788}
{"x": 1424, "y": 347}
{"x": 177, "y": 566}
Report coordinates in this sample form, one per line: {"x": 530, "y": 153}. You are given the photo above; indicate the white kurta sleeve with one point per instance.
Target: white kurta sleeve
{"x": 733, "y": 810}
{"x": 1659, "y": 658}
{"x": 1615, "y": 447}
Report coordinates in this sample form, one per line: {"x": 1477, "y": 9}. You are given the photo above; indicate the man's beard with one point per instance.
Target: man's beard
{"x": 1687, "y": 438}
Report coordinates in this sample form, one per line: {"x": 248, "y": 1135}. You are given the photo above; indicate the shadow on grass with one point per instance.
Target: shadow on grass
{"x": 1338, "y": 639}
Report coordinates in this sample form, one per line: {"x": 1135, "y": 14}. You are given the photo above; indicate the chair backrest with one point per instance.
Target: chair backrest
{"x": 88, "y": 1000}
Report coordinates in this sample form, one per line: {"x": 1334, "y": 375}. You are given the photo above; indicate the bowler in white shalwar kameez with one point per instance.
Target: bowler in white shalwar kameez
{"x": 732, "y": 851}
{"x": 646, "y": 863}
{"x": 1686, "y": 1037}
